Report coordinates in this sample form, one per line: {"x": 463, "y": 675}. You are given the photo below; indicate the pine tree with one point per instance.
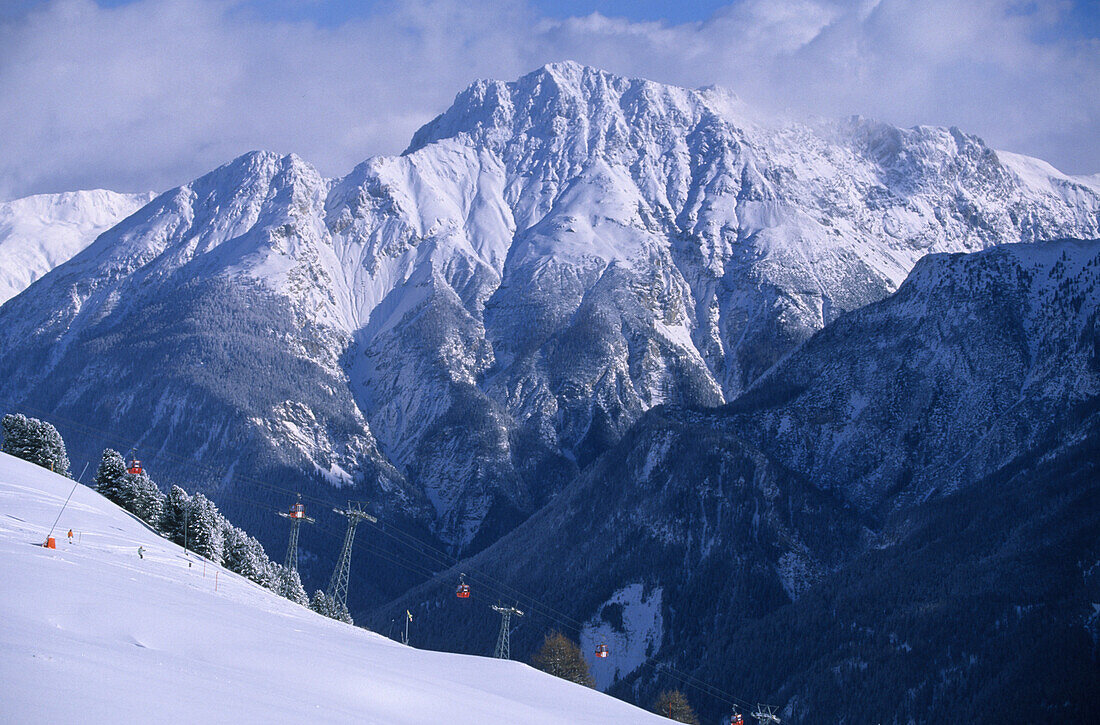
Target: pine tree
{"x": 236, "y": 556}
{"x": 288, "y": 583}
{"x": 329, "y": 607}
{"x": 36, "y": 441}
{"x": 561, "y": 657}
{"x": 110, "y": 477}
{"x": 146, "y": 500}
{"x": 17, "y": 436}
{"x": 268, "y": 576}
{"x": 206, "y": 527}
{"x": 175, "y": 516}
{"x": 319, "y": 603}
{"x": 673, "y": 704}
{"x": 244, "y": 555}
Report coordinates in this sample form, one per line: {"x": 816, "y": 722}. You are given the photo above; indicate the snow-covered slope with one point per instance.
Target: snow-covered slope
{"x": 37, "y": 233}
{"x": 93, "y": 633}
{"x": 700, "y": 524}
{"x": 460, "y": 329}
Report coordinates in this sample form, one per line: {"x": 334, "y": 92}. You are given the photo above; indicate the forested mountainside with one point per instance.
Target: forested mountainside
{"x": 916, "y": 547}
{"x": 456, "y": 333}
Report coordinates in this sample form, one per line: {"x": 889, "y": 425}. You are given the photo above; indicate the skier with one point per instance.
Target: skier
{"x": 70, "y": 536}
{"x": 141, "y": 553}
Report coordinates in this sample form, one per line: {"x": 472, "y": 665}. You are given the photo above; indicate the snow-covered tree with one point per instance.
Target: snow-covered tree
{"x": 110, "y": 477}
{"x": 561, "y": 657}
{"x": 329, "y": 607}
{"x": 146, "y": 500}
{"x": 244, "y": 555}
{"x": 206, "y": 528}
{"x": 289, "y": 584}
{"x": 674, "y": 705}
{"x": 175, "y": 516}
{"x": 36, "y": 441}
{"x": 135, "y": 492}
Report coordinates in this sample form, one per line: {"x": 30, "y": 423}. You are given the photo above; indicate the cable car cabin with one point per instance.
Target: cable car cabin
{"x": 737, "y": 719}
{"x": 298, "y": 511}
{"x": 601, "y": 650}
{"x": 463, "y": 591}
{"x": 135, "y": 467}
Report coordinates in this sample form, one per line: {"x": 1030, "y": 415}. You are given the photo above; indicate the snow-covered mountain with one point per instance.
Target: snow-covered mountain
{"x": 971, "y": 363}
{"x": 37, "y": 233}
{"x": 880, "y": 513}
{"x": 93, "y": 633}
{"x": 455, "y": 332}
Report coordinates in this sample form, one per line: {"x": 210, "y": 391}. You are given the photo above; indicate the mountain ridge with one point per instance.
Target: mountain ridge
{"x": 549, "y": 259}
{"x": 725, "y": 519}
{"x": 39, "y": 232}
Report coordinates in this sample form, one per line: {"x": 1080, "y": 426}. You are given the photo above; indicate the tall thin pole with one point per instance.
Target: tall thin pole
{"x": 71, "y": 492}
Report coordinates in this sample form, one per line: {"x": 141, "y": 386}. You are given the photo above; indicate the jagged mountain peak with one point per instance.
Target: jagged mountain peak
{"x": 551, "y": 257}
{"x": 591, "y": 108}
{"x": 257, "y": 173}
{"x": 256, "y": 191}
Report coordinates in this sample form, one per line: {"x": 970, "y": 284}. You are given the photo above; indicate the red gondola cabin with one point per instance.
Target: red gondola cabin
{"x": 463, "y": 591}
{"x": 298, "y": 511}
{"x": 135, "y": 467}
{"x": 601, "y": 650}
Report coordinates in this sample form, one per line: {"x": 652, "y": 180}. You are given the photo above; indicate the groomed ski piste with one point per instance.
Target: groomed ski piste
{"x": 90, "y": 632}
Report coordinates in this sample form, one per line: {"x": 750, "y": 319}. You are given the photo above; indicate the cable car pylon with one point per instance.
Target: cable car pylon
{"x": 766, "y": 714}
{"x": 296, "y": 514}
{"x": 504, "y": 639}
{"x": 338, "y": 585}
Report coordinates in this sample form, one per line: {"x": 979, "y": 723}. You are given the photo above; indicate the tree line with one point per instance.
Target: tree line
{"x": 561, "y": 657}
{"x": 195, "y": 523}
{"x": 192, "y": 521}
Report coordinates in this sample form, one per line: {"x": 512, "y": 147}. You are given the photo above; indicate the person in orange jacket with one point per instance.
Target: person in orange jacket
{"x": 70, "y": 536}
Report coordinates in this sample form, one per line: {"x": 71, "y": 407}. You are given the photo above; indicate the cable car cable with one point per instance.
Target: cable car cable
{"x": 417, "y": 545}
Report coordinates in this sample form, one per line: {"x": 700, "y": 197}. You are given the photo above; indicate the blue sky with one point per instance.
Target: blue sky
{"x": 146, "y": 94}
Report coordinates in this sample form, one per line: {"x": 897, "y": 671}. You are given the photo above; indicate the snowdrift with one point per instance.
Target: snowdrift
{"x": 93, "y": 633}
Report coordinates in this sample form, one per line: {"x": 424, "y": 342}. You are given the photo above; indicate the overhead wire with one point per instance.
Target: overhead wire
{"x": 503, "y": 590}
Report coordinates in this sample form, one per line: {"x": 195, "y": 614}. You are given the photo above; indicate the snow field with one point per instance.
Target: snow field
{"x": 92, "y": 633}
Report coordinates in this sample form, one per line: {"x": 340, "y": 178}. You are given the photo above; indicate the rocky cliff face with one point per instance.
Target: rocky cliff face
{"x": 889, "y": 488}
{"x": 460, "y": 329}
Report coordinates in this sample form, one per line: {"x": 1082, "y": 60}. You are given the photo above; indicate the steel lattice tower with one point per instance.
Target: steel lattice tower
{"x": 338, "y": 585}
{"x": 297, "y": 515}
{"x": 765, "y": 714}
{"x": 504, "y": 639}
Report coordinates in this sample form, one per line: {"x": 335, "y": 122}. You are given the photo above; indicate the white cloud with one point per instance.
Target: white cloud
{"x": 150, "y": 94}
